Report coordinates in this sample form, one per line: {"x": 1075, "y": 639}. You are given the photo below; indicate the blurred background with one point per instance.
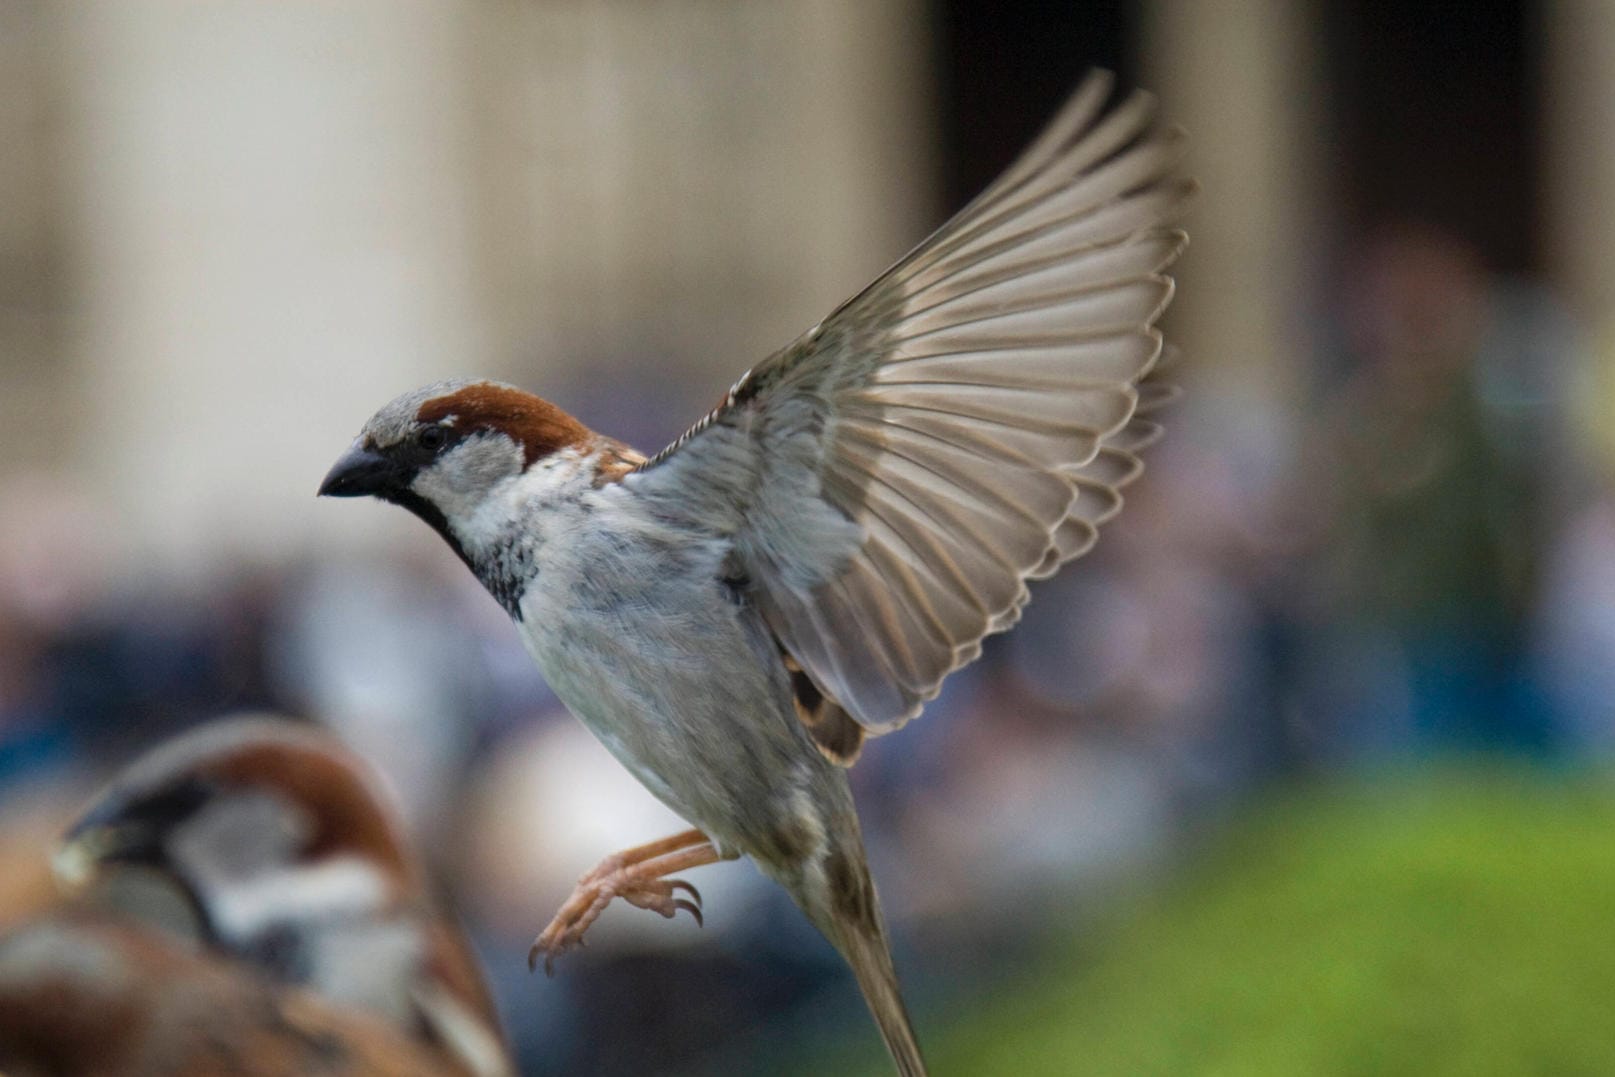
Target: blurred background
{"x": 1305, "y": 770}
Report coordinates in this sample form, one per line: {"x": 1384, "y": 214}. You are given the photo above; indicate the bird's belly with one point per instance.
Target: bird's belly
{"x": 680, "y": 697}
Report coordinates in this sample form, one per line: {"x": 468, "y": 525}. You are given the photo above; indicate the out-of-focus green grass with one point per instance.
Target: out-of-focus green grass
{"x": 1457, "y": 923}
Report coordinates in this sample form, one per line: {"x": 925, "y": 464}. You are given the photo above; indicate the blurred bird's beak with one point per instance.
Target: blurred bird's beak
{"x": 361, "y": 472}
{"x": 79, "y": 858}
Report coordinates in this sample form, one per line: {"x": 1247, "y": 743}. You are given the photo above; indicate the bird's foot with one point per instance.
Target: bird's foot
{"x": 637, "y": 876}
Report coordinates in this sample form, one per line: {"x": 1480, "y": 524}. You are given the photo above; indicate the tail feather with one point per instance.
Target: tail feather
{"x": 865, "y": 948}
{"x": 831, "y": 884}
{"x": 840, "y": 899}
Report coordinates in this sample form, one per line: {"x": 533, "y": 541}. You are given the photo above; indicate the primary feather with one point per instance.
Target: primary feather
{"x": 892, "y": 479}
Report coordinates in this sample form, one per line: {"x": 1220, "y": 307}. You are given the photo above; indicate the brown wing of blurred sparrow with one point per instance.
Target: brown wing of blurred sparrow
{"x": 732, "y": 616}
{"x": 81, "y": 994}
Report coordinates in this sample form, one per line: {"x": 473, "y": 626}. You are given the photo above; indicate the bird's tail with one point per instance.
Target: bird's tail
{"x": 838, "y": 895}
{"x": 866, "y": 950}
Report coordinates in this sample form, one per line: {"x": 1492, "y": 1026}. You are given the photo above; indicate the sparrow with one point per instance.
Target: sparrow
{"x": 87, "y": 994}
{"x": 292, "y": 864}
{"x": 734, "y": 615}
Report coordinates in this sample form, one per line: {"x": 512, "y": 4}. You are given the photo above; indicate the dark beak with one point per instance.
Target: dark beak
{"x": 124, "y": 828}
{"x": 361, "y": 472}
{"x": 90, "y": 845}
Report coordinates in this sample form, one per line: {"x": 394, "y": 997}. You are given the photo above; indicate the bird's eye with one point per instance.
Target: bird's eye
{"x": 432, "y": 438}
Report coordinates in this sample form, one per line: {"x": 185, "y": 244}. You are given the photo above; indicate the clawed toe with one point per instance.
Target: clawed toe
{"x": 595, "y": 891}
{"x": 695, "y": 911}
{"x": 680, "y": 884}
{"x": 549, "y": 958}
{"x": 555, "y": 940}
{"x": 656, "y": 895}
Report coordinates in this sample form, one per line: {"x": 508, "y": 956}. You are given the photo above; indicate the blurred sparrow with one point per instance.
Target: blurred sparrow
{"x": 732, "y": 616}
{"x": 280, "y": 843}
{"x": 90, "y": 995}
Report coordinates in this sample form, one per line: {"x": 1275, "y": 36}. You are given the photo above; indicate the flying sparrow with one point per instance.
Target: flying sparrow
{"x": 734, "y": 615}
{"x": 290, "y": 861}
{"x": 88, "y": 994}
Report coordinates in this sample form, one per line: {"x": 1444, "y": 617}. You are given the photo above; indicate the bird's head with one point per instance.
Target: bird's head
{"x": 238, "y": 815}
{"x": 442, "y": 450}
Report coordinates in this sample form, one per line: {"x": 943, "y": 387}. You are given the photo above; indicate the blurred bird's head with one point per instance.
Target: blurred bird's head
{"x": 240, "y": 815}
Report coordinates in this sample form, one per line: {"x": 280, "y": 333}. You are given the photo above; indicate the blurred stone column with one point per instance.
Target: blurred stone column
{"x": 268, "y": 237}
{"x": 1242, "y": 77}
{"x": 1578, "y": 106}
{"x": 33, "y": 391}
{"x": 1579, "y": 119}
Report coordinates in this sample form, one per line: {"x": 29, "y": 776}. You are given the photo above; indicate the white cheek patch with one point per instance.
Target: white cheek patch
{"x": 244, "y": 855}
{"x": 459, "y": 481}
{"x": 334, "y": 889}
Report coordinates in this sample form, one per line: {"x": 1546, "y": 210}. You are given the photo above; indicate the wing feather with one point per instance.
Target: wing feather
{"x": 966, "y": 423}
{"x": 1144, "y": 255}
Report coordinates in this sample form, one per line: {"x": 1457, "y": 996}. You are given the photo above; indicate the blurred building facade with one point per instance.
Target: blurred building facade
{"x": 232, "y": 229}
{"x": 229, "y": 229}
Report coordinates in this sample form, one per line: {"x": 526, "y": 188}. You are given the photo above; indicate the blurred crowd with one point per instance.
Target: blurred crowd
{"x": 1420, "y": 559}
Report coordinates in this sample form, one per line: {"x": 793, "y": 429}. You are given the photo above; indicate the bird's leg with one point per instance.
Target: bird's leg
{"x": 637, "y": 876}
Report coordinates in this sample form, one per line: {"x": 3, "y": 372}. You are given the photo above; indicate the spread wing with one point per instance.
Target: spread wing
{"x": 892, "y": 479}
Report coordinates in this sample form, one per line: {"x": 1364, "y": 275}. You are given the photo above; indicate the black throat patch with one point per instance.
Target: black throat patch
{"x": 504, "y": 575}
